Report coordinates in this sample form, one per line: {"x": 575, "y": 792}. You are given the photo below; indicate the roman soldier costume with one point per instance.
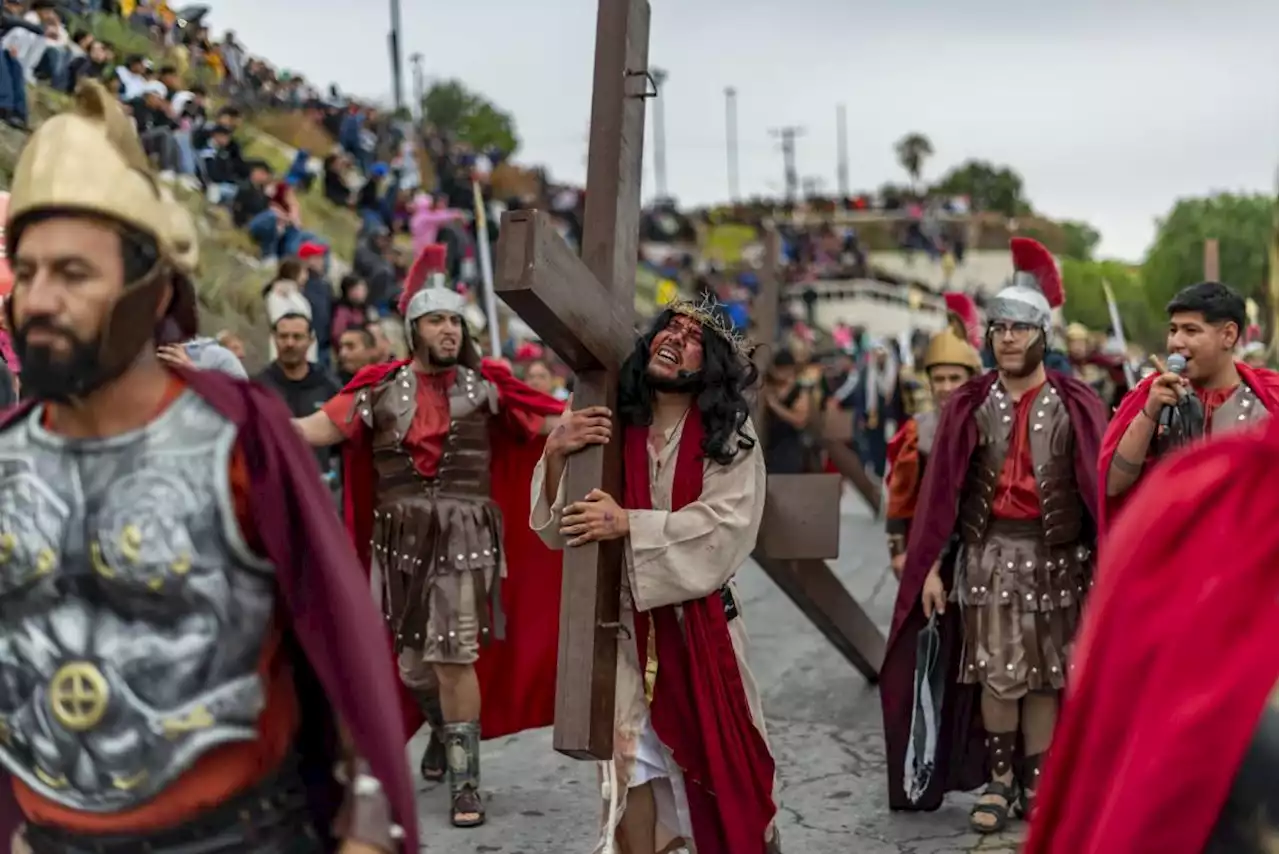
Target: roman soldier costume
{"x": 910, "y": 447}
{"x": 182, "y": 636}
{"x": 1005, "y": 518}
{"x": 430, "y": 462}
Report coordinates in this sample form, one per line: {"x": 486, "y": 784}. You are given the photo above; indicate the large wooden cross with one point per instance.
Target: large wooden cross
{"x": 584, "y": 310}
{"x": 801, "y": 525}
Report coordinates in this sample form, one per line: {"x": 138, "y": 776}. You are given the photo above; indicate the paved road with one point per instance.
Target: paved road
{"x": 824, "y": 724}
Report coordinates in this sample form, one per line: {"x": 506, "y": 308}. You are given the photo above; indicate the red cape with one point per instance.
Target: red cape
{"x": 517, "y": 674}
{"x": 1175, "y": 660}
{"x": 961, "y": 756}
{"x": 334, "y": 622}
{"x": 1264, "y": 383}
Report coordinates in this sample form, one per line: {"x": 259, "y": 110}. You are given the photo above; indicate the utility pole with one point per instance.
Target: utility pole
{"x": 659, "y": 135}
{"x": 842, "y": 153}
{"x": 419, "y": 84}
{"x": 393, "y": 40}
{"x": 731, "y": 138}
{"x": 788, "y": 136}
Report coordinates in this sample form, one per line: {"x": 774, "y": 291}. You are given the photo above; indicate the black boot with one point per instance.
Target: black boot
{"x": 433, "y": 762}
{"x": 462, "y": 753}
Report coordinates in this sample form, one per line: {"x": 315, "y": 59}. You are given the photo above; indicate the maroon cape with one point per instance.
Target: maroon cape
{"x": 1265, "y": 384}
{"x": 961, "y": 757}
{"x": 518, "y": 673}
{"x": 1175, "y": 660}
{"x": 699, "y": 707}
{"x": 334, "y": 628}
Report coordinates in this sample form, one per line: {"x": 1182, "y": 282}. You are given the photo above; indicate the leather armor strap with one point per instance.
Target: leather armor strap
{"x": 272, "y": 813}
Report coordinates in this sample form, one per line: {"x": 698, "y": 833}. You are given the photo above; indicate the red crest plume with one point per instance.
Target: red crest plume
{"x": 964, "y": 311}
{"x": 1030, "y": 256}
{"x": 430, "y": 260}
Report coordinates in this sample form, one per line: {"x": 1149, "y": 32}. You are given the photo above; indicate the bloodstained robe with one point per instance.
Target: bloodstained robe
{"x": 674, "y": 555}
{"x": 517, "y": 672}
{"x": 961, "y": 754}
{"x": 343, "y": 668}
{"x": 1262, "y": 382}
{"x": 1174, "y": 662}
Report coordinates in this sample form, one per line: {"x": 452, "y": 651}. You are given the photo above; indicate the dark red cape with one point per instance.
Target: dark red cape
{"x": 1175, "y": 660}
{"x": 961, "y": 756}
{"x": 1265, "y": 384}
{"x": 699, "y": 708}
{"x": 517, "y": 674}
{"x": 335, "y": 626}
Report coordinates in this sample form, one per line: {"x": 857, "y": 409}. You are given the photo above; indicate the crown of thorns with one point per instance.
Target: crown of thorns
{"x": 706, "y": 314}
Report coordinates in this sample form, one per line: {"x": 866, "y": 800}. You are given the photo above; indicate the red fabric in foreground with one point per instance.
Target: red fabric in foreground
{"x": 1264, "y": 383}
{"x": 517, "y": 674}
{"x": 699, "y": 709}
{"x": 1175, "y": 660}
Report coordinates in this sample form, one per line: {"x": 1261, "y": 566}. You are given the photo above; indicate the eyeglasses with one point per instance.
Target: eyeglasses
{"x": 1018, "y": 331}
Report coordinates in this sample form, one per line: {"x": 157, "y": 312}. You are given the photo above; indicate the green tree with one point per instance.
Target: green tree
{"x": 989, "y": 187}
{"x": 1087, "y": 301}
{"x": 913, "y": 150}
{"x": 1082, "y": 240}
{"x": 469, "y": 117}
{"x": 1244, "y": 227}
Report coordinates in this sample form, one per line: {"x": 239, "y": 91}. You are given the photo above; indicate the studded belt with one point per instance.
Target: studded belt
{"x": 271, "y": 817}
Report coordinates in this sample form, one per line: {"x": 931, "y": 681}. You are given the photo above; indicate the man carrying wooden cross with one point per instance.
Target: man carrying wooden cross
{"x": 691, "y": 763}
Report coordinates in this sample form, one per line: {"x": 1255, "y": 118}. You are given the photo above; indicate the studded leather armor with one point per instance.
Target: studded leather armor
{"x": 132, "y": 612}
{"x": 425, "y": 526}
{"x": 1053, "y": 460}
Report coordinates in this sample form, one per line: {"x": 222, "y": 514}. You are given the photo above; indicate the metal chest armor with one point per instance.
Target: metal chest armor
{"x": 132, "y": 612}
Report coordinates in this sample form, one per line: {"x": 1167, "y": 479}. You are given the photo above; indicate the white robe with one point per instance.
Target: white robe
{"x": 672, "y": 557}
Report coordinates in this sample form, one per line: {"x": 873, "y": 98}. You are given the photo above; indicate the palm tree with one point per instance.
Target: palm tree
{"x": 912, "y": 150}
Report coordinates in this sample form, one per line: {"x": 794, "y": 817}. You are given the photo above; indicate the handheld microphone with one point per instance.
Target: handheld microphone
{"x": 1177, "y": 364}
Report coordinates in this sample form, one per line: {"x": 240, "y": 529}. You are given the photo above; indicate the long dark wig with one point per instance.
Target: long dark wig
{"x": 721, "y": 393}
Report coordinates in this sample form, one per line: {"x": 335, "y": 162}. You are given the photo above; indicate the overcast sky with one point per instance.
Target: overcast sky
{"x": 1110, "y": 109}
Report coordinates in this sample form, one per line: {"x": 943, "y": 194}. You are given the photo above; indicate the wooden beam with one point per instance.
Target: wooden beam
{"x": 851, "y": 468}
{"x": 801, "y": 517}
{"x": 589, "y": 595}
{"x": 547, "y": 285}
{"x": 817, "y": 592}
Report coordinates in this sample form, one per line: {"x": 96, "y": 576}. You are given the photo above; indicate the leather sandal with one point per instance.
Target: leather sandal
{"x": 1000, "y": 813}
{"x": 468, "y": 808}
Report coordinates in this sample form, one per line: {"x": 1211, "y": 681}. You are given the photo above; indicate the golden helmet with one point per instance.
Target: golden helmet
{"x": 952, "y": 347}
{"x": 1077, "y": 332}
{"x": 89, "y": 160}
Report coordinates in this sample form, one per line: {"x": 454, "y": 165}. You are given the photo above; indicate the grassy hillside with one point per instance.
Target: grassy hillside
{"x": 229, "y": 283}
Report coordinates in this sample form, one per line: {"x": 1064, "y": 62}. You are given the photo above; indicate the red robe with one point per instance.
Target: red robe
{"x": 1264, "y": 383}
{"x": 699, "y": 708}
{"x": 1175, "y": 659}
{"x": 961, "y": 756}
{"x": 517, "y": 674}
{"x": 332, "y": 618}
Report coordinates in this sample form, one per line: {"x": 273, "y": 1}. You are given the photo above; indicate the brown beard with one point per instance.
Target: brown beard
{"x": 1032, "y": 358}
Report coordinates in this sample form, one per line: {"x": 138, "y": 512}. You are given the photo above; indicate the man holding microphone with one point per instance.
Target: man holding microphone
{"x": 1206, "y": 322}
